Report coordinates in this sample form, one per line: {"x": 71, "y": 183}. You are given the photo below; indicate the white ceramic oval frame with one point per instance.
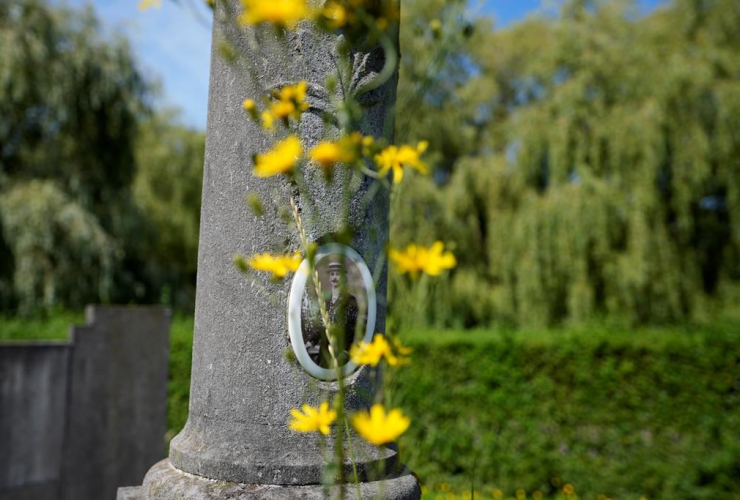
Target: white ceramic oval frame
{"x": 300, "y": 279}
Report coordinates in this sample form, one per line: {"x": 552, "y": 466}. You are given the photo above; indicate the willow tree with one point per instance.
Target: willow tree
{"x": 70, "y": 101}
{"x": 609, "y": 180}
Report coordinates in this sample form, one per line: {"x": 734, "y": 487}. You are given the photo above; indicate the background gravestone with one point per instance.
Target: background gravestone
{"x": 78, "y": 418}
{"x": 33, "y": 405}
{"x": 117, "y": 399}
{"x": 236, "y": 443}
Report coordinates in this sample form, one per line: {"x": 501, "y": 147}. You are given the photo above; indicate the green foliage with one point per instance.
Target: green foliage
{"x": 69, "y": 102}
{"x": 438, "y": 96}
{"x": 178, "y": 384}
{"x": 167, "y": 189}
{"x": 607, "y": 182}
{"x": 613, "y": 412}
{"x": 59, "y": 248}
{"x": 100, "y": 200}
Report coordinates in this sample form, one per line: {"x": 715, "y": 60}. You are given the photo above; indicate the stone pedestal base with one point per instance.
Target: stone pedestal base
{"x": 165, "y": 482}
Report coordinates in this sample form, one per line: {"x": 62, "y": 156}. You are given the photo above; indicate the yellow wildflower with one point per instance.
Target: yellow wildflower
{"x": 335, "y": 15}
{"x": 280, "y": 160}
{"x": 346, "y": 150}
{"x": 312, "y": 419}
{"x": 295, "y": 93}
{"x": 249, "y": 105}
{"x": 268, "y": 121}
{"x": 278, "y": 265}
{"x": 251, "y": 108}
{"x": 326, "y": 154}
{"x": 379, "y": 428}
{"x": 568, "y": 490}
{"x": 146, "y": 4}
{"x": 291, "y": 101}
{"x": 281, "y": 13}
{"x": 363, "y": 353}
{"x": 415, "y": 259}
{"x": 369, "y": 354}
{"x": 282, "y": 110}
{"x": 395, "y": 158}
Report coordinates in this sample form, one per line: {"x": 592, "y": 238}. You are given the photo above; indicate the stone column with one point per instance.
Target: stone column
{"x": 236, "y": 443}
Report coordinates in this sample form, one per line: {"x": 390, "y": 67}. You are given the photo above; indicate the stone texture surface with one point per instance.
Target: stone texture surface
{"x": 243, "y": 386}
{"x": 33, "y": 403}
{"x": 130, "y": 493}
{"x": 165, "y": 482}
{"x": 236, "y": 443}
{"x": 79, "y": 418}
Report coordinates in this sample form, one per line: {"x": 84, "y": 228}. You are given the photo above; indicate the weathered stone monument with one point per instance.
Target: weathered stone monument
{"x": 236, "y": 443}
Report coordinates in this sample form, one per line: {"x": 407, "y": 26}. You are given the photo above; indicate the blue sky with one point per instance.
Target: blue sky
{"x": 172, "y": 43}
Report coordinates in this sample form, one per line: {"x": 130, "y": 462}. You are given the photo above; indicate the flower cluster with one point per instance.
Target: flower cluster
{"x": 415, "y": 259}
{"x": 372, "y": 353}
{"x": 281, "y": 13}
{"x": 350, "y": 15}
{"x": 376, "y": 426}
{"x": 348, "y": 150}
{"x": 289, "y": 102}
{"x": 366, "y": 22}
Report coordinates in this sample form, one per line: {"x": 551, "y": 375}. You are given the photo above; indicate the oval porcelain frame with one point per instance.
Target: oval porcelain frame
{"x": 300, "y": 279}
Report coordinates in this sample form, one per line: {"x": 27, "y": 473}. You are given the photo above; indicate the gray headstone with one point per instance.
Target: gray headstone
{"x": 79, "y": 418}
{"x": 236, "y": 443}
{"x": 33, "y": 405}
{"x": 117, "y": 400}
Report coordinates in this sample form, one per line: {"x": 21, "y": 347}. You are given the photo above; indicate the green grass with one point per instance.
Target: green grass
{"x": 621, "y": 413}
{"x": 50, "y": 327}
{"x": 178, "y": 385}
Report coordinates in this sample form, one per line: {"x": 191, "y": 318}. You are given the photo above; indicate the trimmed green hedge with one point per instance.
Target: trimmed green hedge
{"x": 618, "y": 413}
{"x": 652, "y": 413}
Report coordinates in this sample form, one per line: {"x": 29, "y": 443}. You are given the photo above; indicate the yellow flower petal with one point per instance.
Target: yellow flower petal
{"x": 327, "y": 154}
{"x": 396, "y": 158}
{"x": 414, "y": 259}
{"x": 312, "y": 419}
{"x": 278, "y": 265}
{"x": 280, "y": 160}
{"x": 345, "y": 150}
{"x": 248, "y": 104}
{"x": 378, "y": 427}
{"x": 268, "y": 121}
{"x": 371, "y": 354}
{"x": 335, "y": 14}
{"x": 281, "y": 13}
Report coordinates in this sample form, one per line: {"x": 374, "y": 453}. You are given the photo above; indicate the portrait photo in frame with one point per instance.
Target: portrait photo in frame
{"x": 348, "y": 293}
